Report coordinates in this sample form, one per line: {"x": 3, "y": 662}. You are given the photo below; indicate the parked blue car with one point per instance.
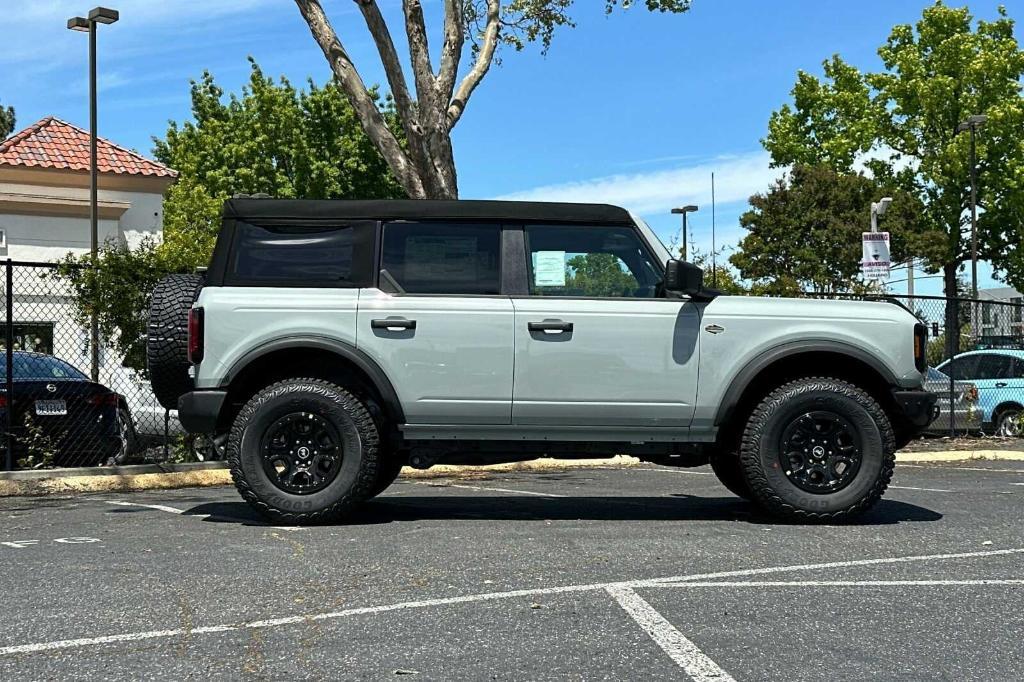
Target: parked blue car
{"x": 999, "y": 377}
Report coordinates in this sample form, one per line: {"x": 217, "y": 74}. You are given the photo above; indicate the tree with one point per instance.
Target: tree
{"x": 425, "y": 164}
{"x": 904, "y": 119}
{"x": 273, "y": 139}
{"x": 804, "y": 233}
{"x": 7, "y": 122}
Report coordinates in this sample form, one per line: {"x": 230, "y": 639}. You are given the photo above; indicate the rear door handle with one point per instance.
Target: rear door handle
{"x": 393, "y": 325}
{"x": 550, "y": 327}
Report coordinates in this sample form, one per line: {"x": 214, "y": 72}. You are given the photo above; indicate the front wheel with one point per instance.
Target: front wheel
{"x": 1008, "y": 423}
{"x": 818, "y": 449}
{"x": 304, "y": 451}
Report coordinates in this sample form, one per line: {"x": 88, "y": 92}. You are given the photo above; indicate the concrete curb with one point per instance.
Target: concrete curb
{"x": 207, "y": 474}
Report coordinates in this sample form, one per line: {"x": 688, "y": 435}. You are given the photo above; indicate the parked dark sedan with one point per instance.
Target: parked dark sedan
{"x": 59, "y": 416}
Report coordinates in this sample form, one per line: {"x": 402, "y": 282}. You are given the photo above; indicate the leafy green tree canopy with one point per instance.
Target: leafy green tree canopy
{"x": 273, "y": 139}
{"x": 7, "y": 122}
{"x": 903, "y": 120}
{"x": 804, "y": 233}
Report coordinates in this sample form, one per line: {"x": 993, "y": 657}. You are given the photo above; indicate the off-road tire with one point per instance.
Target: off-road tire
{"x": 167, "y": 337}
{"x": 759, "y": 450}
{"x": 727, "y": 468}
{"x": 387, "y": 473}
{"x": 360, "y": 463}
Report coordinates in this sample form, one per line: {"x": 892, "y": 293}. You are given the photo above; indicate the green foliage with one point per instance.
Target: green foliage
{"x": 42, "y": 448}
{"x": 528, "y": 21}
{"x": 120, "y": 283}
{"x": 7, "y": 122}
{"x": 717, "y": 273}
{"x": 272, "y": 139}
{"x": 904, "y": 119}
{"x": 599, "y": 274}
{"x": 804, "y": 233}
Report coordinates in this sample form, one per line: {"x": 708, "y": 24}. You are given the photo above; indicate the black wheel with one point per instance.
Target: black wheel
{"x": 206, "y": 447}
{"x": 167, "y": 337}
{"x": 387, "y": 473}
{"x": 727, "y": 468}
{"x": 1008, "y": 423}
{"x": 818, "y": 449}
{"x": 304, "y": 451}
{"x": 128, "y": 442}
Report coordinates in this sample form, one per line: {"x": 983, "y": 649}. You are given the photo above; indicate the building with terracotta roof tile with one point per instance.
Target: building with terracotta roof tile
{"x": 44, "y": 192}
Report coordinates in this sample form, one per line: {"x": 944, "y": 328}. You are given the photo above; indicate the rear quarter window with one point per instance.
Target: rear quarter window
{"x": 301, "y": 255}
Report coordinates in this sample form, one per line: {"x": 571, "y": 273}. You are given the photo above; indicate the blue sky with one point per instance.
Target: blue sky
{"x": 636, "y": 109}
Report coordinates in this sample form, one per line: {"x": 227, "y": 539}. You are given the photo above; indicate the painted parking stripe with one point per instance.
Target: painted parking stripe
{"x": 685, "y": 653}
{"x": 491, "y": 489}
{"x": 679, "y": 470}
{"x": 180, "y": 512}
{"x": 850, "y": 583}
{"x": 937, "y": 468}
{"x": 490, "y": 596}
{"x": 926, "y": 490}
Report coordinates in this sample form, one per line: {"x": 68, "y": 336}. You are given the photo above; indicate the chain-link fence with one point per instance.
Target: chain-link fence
{"x": 58, "y": 408}
{"x": 976, "y": 362}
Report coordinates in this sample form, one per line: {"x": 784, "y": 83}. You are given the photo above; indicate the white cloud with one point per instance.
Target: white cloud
{"x": 736, "y": 179}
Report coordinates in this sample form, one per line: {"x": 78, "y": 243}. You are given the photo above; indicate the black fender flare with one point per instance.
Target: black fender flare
{"x": 345, "y": 350}
{"x": 746, "y": 376}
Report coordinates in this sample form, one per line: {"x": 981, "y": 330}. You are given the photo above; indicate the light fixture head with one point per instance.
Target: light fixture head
{"x": 103, "y": 15}
{"x": 684, "y": 209}
{"x": 78, "y": 24}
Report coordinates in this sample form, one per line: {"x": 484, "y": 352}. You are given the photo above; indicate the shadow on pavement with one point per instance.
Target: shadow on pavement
{"x": 514, "y": 508}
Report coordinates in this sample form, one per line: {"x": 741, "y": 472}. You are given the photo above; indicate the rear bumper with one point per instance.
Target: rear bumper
{"x": 917, "y": 406}
{"x": 198, "y": 411}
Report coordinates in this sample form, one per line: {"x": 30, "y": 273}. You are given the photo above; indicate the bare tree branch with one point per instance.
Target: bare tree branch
{"x": 419, "y": 50}
{"x": 366, "y": 109}
{"x": 451, "y": 52}
{"x": 482, "y": 65}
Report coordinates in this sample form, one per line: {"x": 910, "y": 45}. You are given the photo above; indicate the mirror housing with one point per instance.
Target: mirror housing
{"x": 683, "y": 278}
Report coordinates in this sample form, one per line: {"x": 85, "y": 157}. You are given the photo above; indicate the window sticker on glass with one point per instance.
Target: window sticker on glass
{"x": 549, "y": 269}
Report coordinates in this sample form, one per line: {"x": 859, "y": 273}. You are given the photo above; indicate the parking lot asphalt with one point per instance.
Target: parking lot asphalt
{"x": 641, "y": 573}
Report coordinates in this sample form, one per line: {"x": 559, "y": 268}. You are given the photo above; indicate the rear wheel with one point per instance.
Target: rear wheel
{"x": 1008, "y": 423}
{"x": 818, "y": 449}
{"x": 304, "y": 451}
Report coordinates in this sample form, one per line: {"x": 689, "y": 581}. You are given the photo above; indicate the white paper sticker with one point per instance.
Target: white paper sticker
{"x": 549, "y": 269}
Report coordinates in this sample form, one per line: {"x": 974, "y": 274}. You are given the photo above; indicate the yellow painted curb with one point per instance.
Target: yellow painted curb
{"x": 961, "y": 456}
{"x": 127, "y": 483}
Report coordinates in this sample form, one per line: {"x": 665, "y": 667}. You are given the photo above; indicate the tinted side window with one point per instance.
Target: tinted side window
{"x": 300, "y": 255}
{"x": 962, "y": 368}
{"x": 590, "y": 262}
{"x": 993, "y": 367}
{"x": 438, "y": 258}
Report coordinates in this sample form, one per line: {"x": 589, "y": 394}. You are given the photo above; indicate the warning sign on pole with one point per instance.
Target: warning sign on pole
{"x": 875, "y": 262}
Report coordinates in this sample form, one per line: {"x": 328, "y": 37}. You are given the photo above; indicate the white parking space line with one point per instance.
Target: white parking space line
{"x": 926, "y": 490}
{"x": 935, "y": 468}
{"x": 489, "y": 596}
{"x": 679, "y": 471}
{"x": 176, "y": 510}
{"x": 489, "y": 488}
{"x": 690, "y": 658}
{"x": 847, "y": 583}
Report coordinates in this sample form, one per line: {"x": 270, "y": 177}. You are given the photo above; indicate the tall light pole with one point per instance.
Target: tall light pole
{"x": 97, "y": 15}
{"x": 683, "y": 210}
{"x": 972, "y": 124}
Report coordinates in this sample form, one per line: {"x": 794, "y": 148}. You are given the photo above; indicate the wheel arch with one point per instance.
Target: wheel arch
{"x": 802, "y": 359}
{"x": 315, "y": 357}
{"x": 1005, "y": 405}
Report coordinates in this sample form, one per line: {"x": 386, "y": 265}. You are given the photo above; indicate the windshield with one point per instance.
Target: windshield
{"x": 40, "y": 367}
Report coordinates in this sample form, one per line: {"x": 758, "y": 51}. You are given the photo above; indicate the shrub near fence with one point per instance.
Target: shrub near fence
{"x": 981, "y": 361}
{"x": 52, "y": 413}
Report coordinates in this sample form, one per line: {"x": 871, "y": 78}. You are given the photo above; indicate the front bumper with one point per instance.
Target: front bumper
{"x": 917, "y": 406}
{"x": 198, "y": 411}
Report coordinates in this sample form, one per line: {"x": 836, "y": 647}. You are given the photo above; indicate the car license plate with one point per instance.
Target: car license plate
{"x": 51, "y": 407}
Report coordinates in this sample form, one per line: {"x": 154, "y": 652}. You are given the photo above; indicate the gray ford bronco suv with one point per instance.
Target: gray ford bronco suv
{"x": 330, "y": 343}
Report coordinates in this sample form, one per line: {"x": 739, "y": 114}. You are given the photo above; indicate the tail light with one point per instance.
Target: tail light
{"x": 971, "y": 394}
{"x": 3, "y": 401}
{"x": 920, "y": 347}
{"x": 104, "y": 400}
{"x": 195, "y": 335}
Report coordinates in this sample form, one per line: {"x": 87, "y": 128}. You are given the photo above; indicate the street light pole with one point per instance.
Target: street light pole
{"x": 683, "y": 210}
{"x": 98, "y": 15}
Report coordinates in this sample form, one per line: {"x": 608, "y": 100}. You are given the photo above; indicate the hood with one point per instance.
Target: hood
{"x": 811, "y": 309}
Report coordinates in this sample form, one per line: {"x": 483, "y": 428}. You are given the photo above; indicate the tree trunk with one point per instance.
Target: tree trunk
{"x": 952, "y": 309}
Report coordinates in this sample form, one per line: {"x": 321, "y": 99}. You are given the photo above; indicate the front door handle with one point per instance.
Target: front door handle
{"x": 393, "y": 325}
{"x": 1000, "y": 384}
{"x": 550, "y": 327}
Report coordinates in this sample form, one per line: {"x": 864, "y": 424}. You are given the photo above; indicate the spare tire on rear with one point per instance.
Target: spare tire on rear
{"x": 167, "y": 340}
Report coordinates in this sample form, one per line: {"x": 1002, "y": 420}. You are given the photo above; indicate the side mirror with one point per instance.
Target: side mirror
{"x": 683, "y": 278}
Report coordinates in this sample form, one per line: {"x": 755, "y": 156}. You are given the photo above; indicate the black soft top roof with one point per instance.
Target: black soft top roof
{"x": 406, "y": 209}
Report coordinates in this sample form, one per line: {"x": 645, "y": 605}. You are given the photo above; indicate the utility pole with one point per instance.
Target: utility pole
{"x": 714, "y": 253}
